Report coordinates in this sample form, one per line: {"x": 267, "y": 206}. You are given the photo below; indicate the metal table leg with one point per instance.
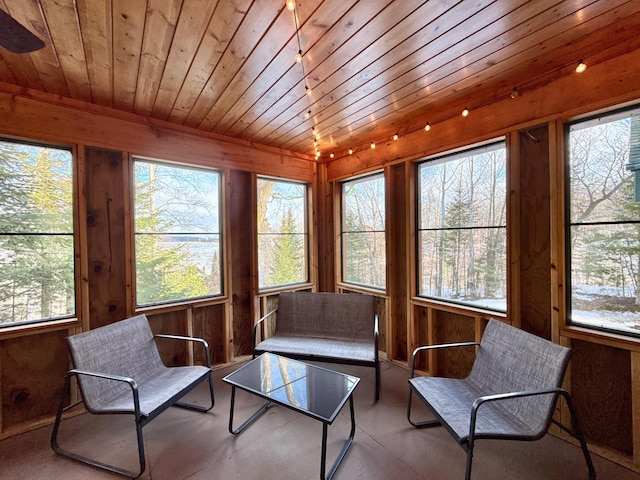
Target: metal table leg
{"x": 250, "y": 420}
{"x": 345, "y": 447}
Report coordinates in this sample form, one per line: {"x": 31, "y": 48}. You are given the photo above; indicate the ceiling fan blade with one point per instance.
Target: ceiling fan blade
{"x": 16, "y": 38}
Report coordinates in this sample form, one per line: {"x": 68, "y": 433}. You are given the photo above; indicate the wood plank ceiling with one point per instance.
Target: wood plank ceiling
{"x": 374, "y": 67}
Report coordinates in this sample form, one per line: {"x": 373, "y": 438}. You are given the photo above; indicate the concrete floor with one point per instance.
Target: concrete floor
{"x": 283, "y": 444}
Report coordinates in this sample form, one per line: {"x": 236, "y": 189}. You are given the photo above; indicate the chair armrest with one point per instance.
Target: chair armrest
{"x": 116, "y": 378}
{"x": 506, "y": 396}
{"x": 255, "y": 325}
{"x": 202, "y": 341}
{"x": 434, "y": 347}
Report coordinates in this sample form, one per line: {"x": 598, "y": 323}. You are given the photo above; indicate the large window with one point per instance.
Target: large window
{"x": 283, "y": 239}
{"x": 364, "y": 258}
{"x": 462, "y": 227}
{"x": 177, "y": 233}
{"x": 603, "y": 240}
{"x": 36, "y": 234}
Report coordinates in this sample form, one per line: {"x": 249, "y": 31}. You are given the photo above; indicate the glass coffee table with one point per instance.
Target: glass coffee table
{"x": 313, "y": 391}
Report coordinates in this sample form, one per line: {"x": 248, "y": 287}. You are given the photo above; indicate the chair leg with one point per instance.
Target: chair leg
{"x": 198, "y": 408}
{"x": 377, "y": 381}
{"x": 469, "y": 449}
{"x": 427, "y": 423}
{"x": 577, "y": 431}
{"x": 89, "y": 461}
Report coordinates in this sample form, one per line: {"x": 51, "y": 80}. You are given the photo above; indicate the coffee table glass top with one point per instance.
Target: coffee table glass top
{"x": 313, "y": 390}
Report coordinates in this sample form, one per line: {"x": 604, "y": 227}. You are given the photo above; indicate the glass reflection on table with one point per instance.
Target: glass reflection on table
{"x": 313, "y": 390}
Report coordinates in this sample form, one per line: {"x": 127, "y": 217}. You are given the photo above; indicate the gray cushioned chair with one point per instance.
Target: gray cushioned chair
{"x": 510, "y": 393}
{"x": 119, "y": 371}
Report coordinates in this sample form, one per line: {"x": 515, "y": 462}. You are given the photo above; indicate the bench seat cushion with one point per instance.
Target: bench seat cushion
{"x": 155, "y": 392}
{"x": 308, "y": 346}
{"x": 452, "y": 400}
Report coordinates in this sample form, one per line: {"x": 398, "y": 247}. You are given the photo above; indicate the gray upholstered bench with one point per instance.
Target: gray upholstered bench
{"x": 510, "y": 393}
{"x": 119, "y": 371}
{"x": 328, "y": 327}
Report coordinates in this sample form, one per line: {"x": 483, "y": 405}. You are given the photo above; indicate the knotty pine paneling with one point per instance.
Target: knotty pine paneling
{"x": 39, "y": 117}
{"x": 172, "y": 352}
{"x": 535, "y": 235}
{"x": 452, "y": 328}
{"x": 601, "y": 392}
{"x": 106, "y": 242}
{"x": 32, "y": 371}
{"x": 324, "y": 207}
{"x": 610, "y": 82}
{"x": 397, "y": 259}
{"x": 209, "y": 323}
{"x": 421, "y": 329}
{"x": 240, "y": 204}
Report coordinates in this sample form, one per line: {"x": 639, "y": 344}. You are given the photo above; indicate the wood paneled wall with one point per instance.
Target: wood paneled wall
{"x": 603, "y": 375}
{"x": 105, "y": 226}
{"x": 533, "y": 247}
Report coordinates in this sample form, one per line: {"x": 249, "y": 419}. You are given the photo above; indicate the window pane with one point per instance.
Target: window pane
{"x": 462, "y": 227}
{"x": 178, "y": 240}
{"x": 605, "y": 260}
{"x": 36, "y": 234}
{"x": 601, "y": 185}
{"x": 604, "y": 231}
{"x": 363, "y": 262}
{"x": 283, "y": 259}
{"x": 465, "y": 266}
{"x": 282, "y": 233}
{"x": 364, "y": 257}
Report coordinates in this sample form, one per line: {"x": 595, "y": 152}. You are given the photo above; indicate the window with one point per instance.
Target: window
{"x": 177, "y": 233}
{"x": 36, "y": 234}
{"x": 603, "y": 240}
{"x": 364, "y": 258}
{"x": 283, "y": 239}
{"x": 462, "y": 227}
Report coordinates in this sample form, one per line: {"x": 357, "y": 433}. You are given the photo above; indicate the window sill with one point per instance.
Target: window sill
{"x": 39, "y": 327}
{"x": 264, "y": 292}
{"x": 354, "y": 287}
{"x": 183, "y": 305}
{"x": 458, "y": 309}
{"x": 610, "y": 339}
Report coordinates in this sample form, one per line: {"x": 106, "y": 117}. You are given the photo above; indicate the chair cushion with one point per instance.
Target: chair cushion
{"x": 451, "y": 399}
{"x": 320, "y": 347}
{"x": 155, "y": 392}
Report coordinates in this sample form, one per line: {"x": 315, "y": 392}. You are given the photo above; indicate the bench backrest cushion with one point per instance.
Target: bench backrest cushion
{"x": 512, "y": 360}
{"x": 124, "y": 348}
{"x": 326, "y": 315}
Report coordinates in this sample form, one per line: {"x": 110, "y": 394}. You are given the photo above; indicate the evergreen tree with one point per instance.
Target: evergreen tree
{"x": 36, "y": 239}
{"x": 288, "y": 257}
